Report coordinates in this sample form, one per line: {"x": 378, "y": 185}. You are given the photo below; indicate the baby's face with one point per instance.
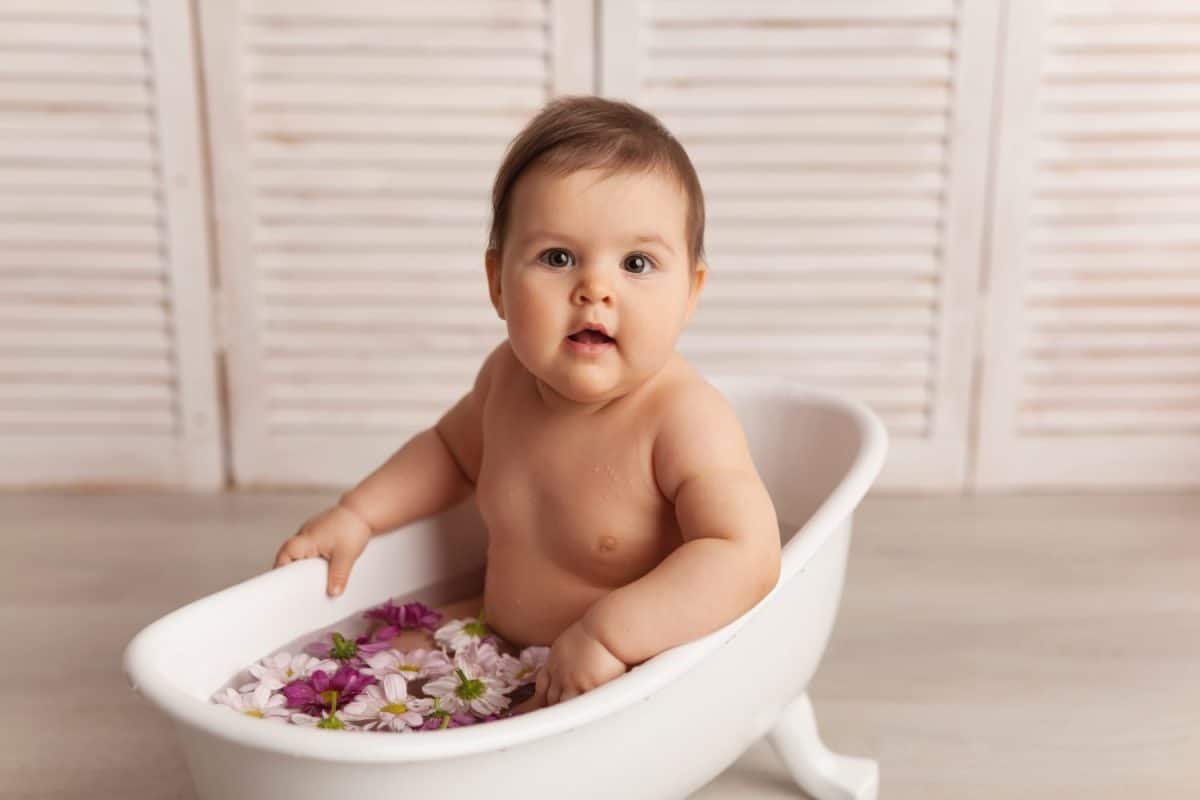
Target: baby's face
{"x": 585, "y": 248}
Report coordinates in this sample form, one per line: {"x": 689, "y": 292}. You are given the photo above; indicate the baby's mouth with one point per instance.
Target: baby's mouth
{"x": 590, "y": 337}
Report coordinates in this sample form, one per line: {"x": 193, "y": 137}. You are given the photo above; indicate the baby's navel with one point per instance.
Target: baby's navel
{"x": 607, "y": 543}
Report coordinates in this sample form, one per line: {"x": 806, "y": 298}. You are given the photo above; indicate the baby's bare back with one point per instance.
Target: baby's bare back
{"x": 570, "y": 502}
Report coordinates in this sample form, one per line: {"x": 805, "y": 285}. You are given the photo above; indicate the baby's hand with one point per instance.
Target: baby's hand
{"x": 577, "y": 662}
{"x": 338, "y": 535}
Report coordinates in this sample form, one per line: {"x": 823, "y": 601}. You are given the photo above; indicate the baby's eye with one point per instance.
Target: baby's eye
{"x": 638, "y": 264}
{"x": 556, "y": 258}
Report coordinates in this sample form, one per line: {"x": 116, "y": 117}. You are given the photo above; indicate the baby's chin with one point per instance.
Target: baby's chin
{"x": 587, "y": 388}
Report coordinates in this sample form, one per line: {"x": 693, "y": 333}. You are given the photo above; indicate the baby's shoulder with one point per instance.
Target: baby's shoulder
{"x": 697, "y": 430}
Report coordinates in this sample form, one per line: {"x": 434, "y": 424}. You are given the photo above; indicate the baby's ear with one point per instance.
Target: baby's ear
{"x": 696, "y": 279}
{"x": 491, "y": 261}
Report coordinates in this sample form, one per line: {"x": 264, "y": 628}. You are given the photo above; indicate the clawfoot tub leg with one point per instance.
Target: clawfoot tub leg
{"x": 820, "y": 773}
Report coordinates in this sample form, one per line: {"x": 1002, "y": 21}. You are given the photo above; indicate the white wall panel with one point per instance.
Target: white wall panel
{"x": 106, "y": 359}
{"x": 354, "y": 149}
{"x": 1092, "y": 361}
{"x": 842, "y": 149}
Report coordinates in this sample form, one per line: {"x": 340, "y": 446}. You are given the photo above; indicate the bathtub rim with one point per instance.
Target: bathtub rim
{"x": 636, "y": 685}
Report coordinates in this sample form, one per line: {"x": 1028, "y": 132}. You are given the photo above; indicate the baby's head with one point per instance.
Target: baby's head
{"x": 597, "y": 218}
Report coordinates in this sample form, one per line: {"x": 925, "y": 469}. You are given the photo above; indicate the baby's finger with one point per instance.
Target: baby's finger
{"x": 339, "y": 571}
{"x": 294, "y": 549}
{"x": 554, "y": 693}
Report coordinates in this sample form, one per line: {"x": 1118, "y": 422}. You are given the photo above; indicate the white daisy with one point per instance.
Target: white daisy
{"x": 459, "y": 633}
{"x": 324, "y": 721}
{"x": 261, "y": 703}
{"x": 519, "y": 672}
{"x": 414, "y": 665}
{"x": 279, "y": 670}
{"x": 388, "y": 706}
{"x": 472, "y": 686}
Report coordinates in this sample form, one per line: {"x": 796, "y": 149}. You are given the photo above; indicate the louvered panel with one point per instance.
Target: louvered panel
{"x": 355, "y": 145}
{"x": 1098, "y": 262}
{"x": 833, "y": 143}
{"x": 104, "y": 376}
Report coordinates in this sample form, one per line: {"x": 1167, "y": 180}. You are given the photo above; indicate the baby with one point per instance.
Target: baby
{"x": 624, "y": 513}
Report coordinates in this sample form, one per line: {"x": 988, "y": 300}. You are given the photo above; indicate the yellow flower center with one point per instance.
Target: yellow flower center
{"x": 253, "y": 712}
{"x": 395, "y": 708}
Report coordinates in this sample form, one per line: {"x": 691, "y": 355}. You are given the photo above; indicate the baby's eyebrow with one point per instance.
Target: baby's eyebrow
{"x": 639, "y": 238}
{"x": 654, "y": 237}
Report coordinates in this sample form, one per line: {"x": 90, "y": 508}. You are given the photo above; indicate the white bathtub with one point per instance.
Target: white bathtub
{"x": 662, "y": 730}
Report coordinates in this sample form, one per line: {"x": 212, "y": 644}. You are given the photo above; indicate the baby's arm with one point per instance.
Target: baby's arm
{"x": 730, "y": 556}
{"x": 434, "y": 470}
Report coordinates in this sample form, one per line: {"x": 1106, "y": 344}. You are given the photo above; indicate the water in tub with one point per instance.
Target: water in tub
{"x": 351, "y": 676}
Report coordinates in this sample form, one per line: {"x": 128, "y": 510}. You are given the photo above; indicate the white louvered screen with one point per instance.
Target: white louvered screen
{"x": 354, "y": 143}
{"x": 1092, "y": 370}
{"x": 841, "y": 148}
{"x": 106, "y": 368}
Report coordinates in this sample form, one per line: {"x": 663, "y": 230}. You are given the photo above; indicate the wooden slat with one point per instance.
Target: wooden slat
{"x": 762, "y": 98}
{"x": 43, "y": 66}
{"x": 105, "y": 154}
{"x": 487, "y": 125}
{"x": 333, "y": 68}
{"x": 808, "y": 125}
{"x": 274, "y": 94}
{"x": 73, "y": 96}
{"x": 26, "y": 421}
{"x": 862, "y": 37}
{"x": 323, "y": 37}
{"x": 1107, "y": 34}
{"x": 822, "y": 68}
{"x": 1114, "y": 10}
{"x": 22, "y": 33}
{"x": 690, "y": 12}
{"x": 459, "y": 12}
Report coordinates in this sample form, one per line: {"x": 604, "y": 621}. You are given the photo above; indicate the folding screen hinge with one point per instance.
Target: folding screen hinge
{"x": 220, "y": 320}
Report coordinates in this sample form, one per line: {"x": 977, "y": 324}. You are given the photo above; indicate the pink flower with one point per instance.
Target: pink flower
{"x": 321, "y": 692}
{"x": 403, "y": 617}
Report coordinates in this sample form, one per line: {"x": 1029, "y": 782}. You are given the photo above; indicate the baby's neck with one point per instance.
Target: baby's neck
{"x": 556, "y": 403}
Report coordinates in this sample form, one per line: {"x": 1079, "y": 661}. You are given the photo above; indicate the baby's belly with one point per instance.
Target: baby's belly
{"x": 530, "y": 600}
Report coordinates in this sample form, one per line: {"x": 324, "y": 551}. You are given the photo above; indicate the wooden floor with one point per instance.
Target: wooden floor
{"x": 1005, "y": 647}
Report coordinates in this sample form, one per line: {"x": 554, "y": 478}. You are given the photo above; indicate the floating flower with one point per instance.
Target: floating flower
{"x": 471, "y": 686}
{"x": 261, "y": 703}
{"x": 321, "y": 691}
{"x": 336, "y": 647}
{"x": 414, "y": 665}
{"x": 458, "y": 634}
{"x": 439, "y": 718}
{"x": 402, "y": 617}
{"x": 388, "y": 706}
{"x": 327, "y": 720}
{"x": 524, "y": 670}
{"x": 278, "y": 670}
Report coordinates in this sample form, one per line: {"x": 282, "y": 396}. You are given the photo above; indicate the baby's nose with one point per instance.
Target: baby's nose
{"x": 591, "y": 290}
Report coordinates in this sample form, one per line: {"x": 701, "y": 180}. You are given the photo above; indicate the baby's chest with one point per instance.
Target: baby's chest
{"x": 586, "y": 504}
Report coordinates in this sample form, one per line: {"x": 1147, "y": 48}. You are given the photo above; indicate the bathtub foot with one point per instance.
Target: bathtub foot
{"x": 820, "y": 773}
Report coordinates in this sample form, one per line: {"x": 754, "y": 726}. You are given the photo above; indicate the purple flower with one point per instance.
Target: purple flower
{"x": 443, "y": 719}
{"x": 322, "y": 692}
{"x": 352, "y": 653}
{"x": 403, "y": 617}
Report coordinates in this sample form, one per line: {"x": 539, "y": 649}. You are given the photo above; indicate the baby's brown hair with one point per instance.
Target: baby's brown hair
{"x": 586, "y": 132}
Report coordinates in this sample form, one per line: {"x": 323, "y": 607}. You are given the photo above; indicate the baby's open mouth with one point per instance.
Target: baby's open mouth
{"x": 590, "y": 337}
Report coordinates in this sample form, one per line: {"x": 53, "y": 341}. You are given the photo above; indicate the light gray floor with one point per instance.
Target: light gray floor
{"x": 1039, "y": 646}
